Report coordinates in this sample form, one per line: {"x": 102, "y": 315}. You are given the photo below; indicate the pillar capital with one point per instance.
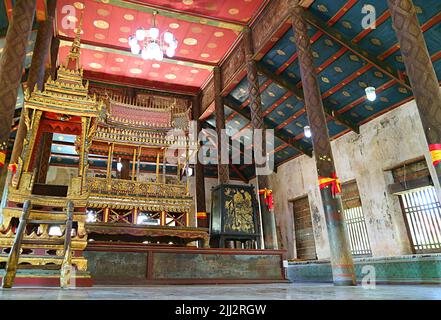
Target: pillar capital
{"x": 248, "y": 43}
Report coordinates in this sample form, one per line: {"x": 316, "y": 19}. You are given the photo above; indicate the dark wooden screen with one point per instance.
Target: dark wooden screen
{"x": 304, "y": 233}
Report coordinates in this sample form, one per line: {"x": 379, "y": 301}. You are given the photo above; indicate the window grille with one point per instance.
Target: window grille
{"x": 422, "y": 212}
{"x": 355, "y": 221}
{"x": 420, "y": 205}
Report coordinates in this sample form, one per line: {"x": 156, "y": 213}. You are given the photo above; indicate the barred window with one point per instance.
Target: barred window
{"x": 422, "y": 212}
{"x": 420, "y": 205}
{"x": 355, "y": 221}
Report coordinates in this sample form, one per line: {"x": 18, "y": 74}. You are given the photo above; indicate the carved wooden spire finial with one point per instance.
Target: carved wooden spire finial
{"x": 73, "y": 58}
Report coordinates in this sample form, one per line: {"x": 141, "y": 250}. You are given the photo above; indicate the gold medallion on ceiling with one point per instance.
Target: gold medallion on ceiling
{"x": 101, "y": 24}
{"x": 233, "y": 11}
{"x": 402, "y": 90}
{"x": 190, "y": 41}
{"x": 347, "y": 24}
{"x": 376, "y": 41}
{"x": 281, "y": 52}
{"x": 329, "y": 42}
{"x": 353, "y": 57}
{"x": 322, "y": 8}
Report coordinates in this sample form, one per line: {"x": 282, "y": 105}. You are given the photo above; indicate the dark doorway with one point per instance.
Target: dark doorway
{"x": 303, "y": 231}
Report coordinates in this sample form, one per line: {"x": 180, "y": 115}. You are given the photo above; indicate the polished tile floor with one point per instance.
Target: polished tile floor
{"x": 297, "y": 291}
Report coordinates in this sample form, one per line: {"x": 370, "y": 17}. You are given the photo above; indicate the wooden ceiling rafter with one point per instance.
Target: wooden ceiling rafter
{"x": 385, "y": 86}
{"x": 233, "y": 166}
{"x": 363, "y": 54}
{"x": 277, "y": 133}
{"x": 241, "y": 176}
{"x": 277, "y": 79}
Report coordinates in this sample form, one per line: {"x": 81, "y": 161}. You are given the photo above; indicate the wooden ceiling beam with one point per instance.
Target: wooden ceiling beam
{"x": 207, "y": 125}
{"x": 340, "y": 38}
{"x": 268, "y": 125}
{"x": 241, "y": 176}
{"x": 279, "y": 80}
{"x": 177, "y": 14}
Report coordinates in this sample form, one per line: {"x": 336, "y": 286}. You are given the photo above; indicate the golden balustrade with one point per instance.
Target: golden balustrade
{"x": 128, "y": 188}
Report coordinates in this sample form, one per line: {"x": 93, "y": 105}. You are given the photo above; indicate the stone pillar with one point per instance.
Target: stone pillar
{"x": 11, "y": 64}
{"x": 421, "y": 74}
{"x": 37, "y": 70}
{"x": 257, "y": 121}
{"x": 341, "y": 258}
{"x": 199, "y": 170}
{"x": 223, "y": 170}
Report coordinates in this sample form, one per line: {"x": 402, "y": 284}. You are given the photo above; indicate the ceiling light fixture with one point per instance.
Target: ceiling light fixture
{"x": 307, "y": 131}
{"x": 151, "y": 44}
{"x": 371, "y": 95}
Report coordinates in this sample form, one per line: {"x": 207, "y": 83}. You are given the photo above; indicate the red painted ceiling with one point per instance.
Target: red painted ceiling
{"x": 232, "y": 10}
{"x": 108, "y": 27}
{"x": 121, "y": 65}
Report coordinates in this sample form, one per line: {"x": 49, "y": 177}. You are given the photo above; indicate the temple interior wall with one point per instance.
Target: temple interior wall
{"x": 385, "y": 142}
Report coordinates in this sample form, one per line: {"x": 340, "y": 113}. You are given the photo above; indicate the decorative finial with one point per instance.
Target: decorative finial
{"x": 73, "y": 58}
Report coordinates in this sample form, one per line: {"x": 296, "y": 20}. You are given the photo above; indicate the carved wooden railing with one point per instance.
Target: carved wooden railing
{"x": 130, "y": 188}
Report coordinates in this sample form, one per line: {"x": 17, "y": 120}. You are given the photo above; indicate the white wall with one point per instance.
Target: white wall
{"x": 382, "y": 143}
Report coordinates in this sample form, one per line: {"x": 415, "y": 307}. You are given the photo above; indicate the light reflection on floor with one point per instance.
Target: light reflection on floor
{"x": 295, "y": 291}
